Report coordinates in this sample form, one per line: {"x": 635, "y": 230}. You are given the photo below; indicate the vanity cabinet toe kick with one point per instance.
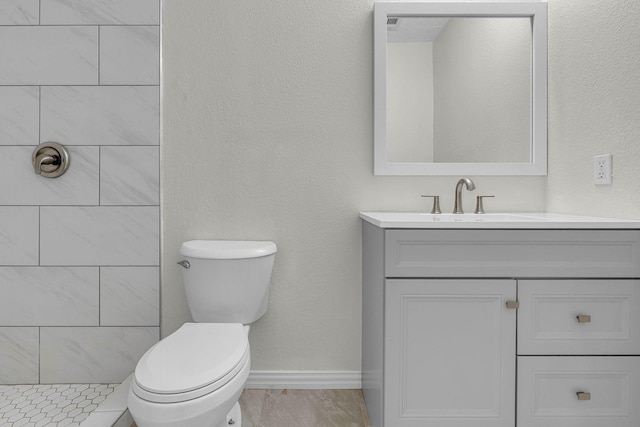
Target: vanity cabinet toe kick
{"x": 501, "y": 328}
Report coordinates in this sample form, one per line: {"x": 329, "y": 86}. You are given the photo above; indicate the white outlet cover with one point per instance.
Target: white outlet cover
{"x": 602, "y": 169}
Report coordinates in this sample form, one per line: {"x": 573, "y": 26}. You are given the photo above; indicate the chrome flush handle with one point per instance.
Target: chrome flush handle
{"x": 184, "y": 263}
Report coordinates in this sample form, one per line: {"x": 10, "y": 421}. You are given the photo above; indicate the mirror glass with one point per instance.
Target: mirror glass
{"x": 459, "y": 90}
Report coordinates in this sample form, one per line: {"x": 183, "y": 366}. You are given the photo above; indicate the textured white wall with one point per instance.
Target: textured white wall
{"x": 594, "y": 105}
{"x": 268, "y": 134}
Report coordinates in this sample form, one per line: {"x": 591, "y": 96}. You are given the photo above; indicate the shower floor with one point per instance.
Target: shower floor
{"x": 50, "y": 404}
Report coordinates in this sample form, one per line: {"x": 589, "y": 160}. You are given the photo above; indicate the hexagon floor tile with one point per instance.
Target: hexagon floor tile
{"x": 51, "y": 405}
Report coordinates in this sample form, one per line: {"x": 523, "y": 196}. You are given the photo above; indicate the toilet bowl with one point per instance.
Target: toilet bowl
{"x": 193, "y": 377}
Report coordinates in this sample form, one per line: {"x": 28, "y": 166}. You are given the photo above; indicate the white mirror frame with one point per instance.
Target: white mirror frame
{"x": 535, "y": 10}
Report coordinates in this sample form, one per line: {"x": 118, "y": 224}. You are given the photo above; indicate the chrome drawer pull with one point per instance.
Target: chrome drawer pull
{"x": 583, "y": 395}
{"x": 584, "y": 318}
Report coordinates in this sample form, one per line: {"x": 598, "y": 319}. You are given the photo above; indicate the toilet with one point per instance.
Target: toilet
{"x": 195, "y": 376}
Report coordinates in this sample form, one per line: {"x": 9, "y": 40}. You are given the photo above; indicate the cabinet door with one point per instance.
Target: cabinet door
{"x": 449, "y": 353}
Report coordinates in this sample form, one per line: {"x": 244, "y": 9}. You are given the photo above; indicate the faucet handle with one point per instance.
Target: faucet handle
{"x": 436, "y": 204}
{"x": 479, "y": 207}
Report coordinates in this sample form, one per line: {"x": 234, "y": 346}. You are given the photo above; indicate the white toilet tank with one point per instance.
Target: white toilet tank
{"x": 227, "y": 281}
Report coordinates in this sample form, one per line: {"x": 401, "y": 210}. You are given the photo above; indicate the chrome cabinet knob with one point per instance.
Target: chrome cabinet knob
{"x": 50, "y": 160}
{"x": 513, "y": 305}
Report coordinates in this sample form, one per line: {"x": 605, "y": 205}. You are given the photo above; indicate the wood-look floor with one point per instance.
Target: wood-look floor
{"x": 303, "y": 408}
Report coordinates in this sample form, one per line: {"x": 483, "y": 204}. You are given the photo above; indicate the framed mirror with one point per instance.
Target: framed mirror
{"x": 460, "y": 88}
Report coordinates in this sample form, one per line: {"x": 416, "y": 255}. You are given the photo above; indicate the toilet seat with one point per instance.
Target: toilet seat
{"x": 197, "y": 359}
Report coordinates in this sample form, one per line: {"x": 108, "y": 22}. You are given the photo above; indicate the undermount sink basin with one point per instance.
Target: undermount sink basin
{"x": 493, "y": 220}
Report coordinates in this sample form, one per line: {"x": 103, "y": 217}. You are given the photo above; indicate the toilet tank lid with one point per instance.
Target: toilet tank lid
{"x": 227, "y": 249}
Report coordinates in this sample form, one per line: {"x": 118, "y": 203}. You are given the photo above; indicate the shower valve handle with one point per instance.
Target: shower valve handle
{"x": 50, "y": 160}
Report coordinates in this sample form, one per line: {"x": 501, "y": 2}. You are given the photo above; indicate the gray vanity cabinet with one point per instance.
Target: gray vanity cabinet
{"x": 439, "y": 339}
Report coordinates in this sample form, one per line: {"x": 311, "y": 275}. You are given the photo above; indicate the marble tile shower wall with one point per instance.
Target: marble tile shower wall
{"x": 79, "y": 254}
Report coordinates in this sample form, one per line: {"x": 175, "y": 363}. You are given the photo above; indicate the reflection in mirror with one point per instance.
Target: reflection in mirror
{"x": 463, "y": 89}
{"x": 442, "y": 72}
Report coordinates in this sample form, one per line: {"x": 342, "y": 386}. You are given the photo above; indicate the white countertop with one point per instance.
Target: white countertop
{"x": 495, "y": 220}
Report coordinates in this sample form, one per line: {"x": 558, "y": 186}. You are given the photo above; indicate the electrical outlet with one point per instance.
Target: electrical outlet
{"x": 602, "y": 169}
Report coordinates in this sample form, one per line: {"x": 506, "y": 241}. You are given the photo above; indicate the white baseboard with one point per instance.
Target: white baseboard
{"x": 305, "y": 379}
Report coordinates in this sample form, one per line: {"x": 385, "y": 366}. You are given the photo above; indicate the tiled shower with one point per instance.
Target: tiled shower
{"x": 79, "y": 254}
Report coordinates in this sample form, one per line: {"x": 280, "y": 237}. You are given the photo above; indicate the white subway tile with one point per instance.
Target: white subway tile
{"x": 130, "y": 55}
{"x": 131, "y": 12}
{"x": 19, "y": 232}
{"x": 130, "y": 175}
{"x": 54, "y": 296}
{"x": 92, "y": 355}
{"x": 19, "y": 355}
{"x": 19, "y": 115}
{"x": 78, "y": 186}
{"x": 116, "y": 236}
{"x": 19, "y": 12}
{"x": 106, "y": 115}
{"x": 129, "y": 296}
{"x": 37, "y": 55}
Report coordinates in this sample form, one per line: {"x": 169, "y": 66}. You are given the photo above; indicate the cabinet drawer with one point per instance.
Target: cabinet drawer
{"x": 512, "y": 253}
{"x": 579, "y": 317}
{"x": 548, "y": 390}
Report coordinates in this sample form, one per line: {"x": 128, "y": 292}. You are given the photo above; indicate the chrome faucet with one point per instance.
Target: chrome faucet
{"x": 457, "y": 207}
